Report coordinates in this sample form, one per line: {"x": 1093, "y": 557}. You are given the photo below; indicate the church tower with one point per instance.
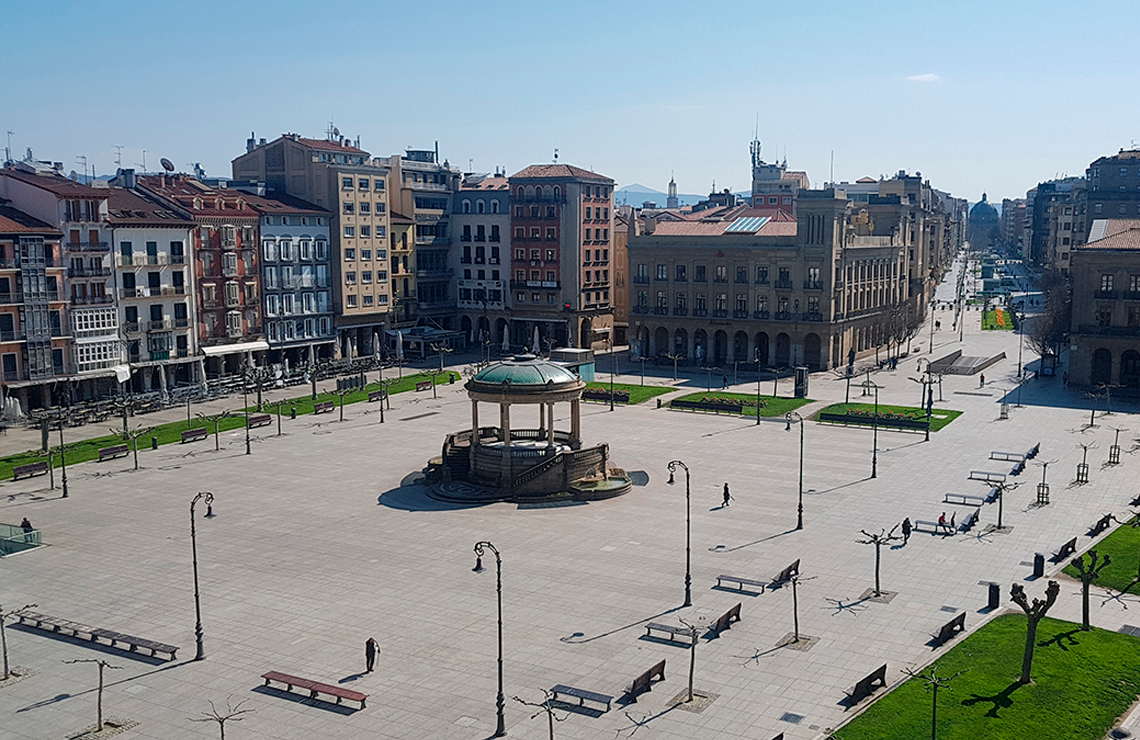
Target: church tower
{"x": 672, "y": 201}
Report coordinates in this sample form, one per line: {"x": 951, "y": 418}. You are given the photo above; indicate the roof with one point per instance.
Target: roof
{"x": 525, "y": 370}
{"x": 495, "y": 182}
{"x": 399, "y": 218}
{"x": 14, "y": 221}
{"x": 331, "y": 146}
{"x": 132, "y": 208}
{"x": 550, "y": 171}
{"x": 184, "y": 190}
{"x": 57, "y": 184}
{"x": 275, "y": 202}
{"x": 1113, "y": 234}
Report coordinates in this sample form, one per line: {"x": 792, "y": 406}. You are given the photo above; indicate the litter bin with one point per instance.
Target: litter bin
{"x": 293, "y": 412}
{"x": 995, "y": 595}
{"x": 1038, "y": 565}
{"x": 154, "y": 443}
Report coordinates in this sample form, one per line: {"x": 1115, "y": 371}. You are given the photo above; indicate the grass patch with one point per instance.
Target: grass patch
{"x": 637, "y": 393}
{"x": 773, "y": 405}
{"x": 1083, "y": 681}
{"x": 999, "y": 319}
{"x": 936, "y": 423}
{"x": 1123, "y": 546}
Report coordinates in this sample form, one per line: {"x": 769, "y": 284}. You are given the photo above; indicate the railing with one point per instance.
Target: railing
{"x": 131, "y": 326}
{"x": 160, "y": 325}
{"x": 14, "y": 539}
{"x": 720, "y": 313}
{"x": 782, "y": 285}
{"x": 641, "y": 280}
{"x": 181, "y": 323}
{"x": 740, "y": 314}
{"x": 720, "y": 280}
{"x": 760, "y": 315}
{"x": 679, "y": 311}
{"x": 813, "y": 317}
{"x": 661, "y": 310}
{"x": 639, "y": 309}
{"x": 88, "y": 246}
{"x": 700, "y": 312}
{"x": 1131, "y": 295}
{"x": 11, "y": 298}
{"x": 10, "y": 375}
{"x": 14, "y": 335}
{"x": 1105, "y": 294}
{"x": 813, "y": 285}
{"x": 88, "y": 272}
{"x": 183, "y": 352}
{"x": 783, "y": 316}
{"x": 1110, "y": 331}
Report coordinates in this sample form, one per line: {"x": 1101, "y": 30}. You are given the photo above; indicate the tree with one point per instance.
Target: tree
{"x": 4, "y": 616}
{"x": 131, "y": 436}
{"x": 933, "y": 682}
{"x": 99, "y": 696}
{"x": 1087, "y": 576}
{"x": 1002, "y": 487}
{"x": 214, "y": 715}
{"x": 1050, "y": 328}
{"x": 216, "y": 420}
{"x": 1034, "y": 613}
{"x": 878, "y": 540}
{"x": 260, "y": 378}
{"x": 694, "y": 632}
{"x": 547, "y": 707}
{"x": 277, "y": 406}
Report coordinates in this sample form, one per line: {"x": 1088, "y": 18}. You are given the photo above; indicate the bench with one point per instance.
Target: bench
{"x": 933, "y": 527}
{"x": 671, "y": 631}
{"x": 581, "y": 695}
{"x": 993, "y": 495}
{"x": 314, "y": 687}
{"x": 964, "y": 499}
{"x": 971, "y": 520}
{"x": 94, "y": 634}
{"x": 987, "y": 476}
{"x": 133, "y": 643}
{"x": 786, "y": 573}
{"x": 950, "y": 629}
{"x": 374, "y": 396}
{"x": 1007, "y": 456}
{"x": 714, "y": 406}
{"x": 423, "y": 385}
{"x": 1018, "y": 468}
{"x": 1066, "y": 550}
{"x": 195, "y": 434}
{"x": 725, "y": 621}
{"x": 260, "y": 420}
{"x": 868, "y": 684}
{"x": 1101, "y": 525}
{"x": 322, "y": 407}
{"x": 36, "y": 468}
{"x": 741, "y": 581}
{"x": 644, "y": 682}
{"x": 109, "y": 453}
{"x": 1032, "y": 453}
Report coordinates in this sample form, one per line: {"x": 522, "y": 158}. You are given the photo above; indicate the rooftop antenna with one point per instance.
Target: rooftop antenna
{"x": 82, "y": 159}
{"x": 8, "y": 148}
{"x": 143, "y": 165}
{"x": 555, "y": 155}
{"x": 831, "y": 175}
{"x": 118, "y": 155}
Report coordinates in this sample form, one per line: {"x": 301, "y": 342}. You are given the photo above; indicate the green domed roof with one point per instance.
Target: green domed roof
{"x": 525, "y": 370}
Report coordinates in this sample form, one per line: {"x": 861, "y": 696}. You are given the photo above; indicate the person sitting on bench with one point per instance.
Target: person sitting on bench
{"x": 942, "y": 522}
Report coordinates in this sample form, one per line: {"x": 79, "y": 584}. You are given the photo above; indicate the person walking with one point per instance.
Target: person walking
{"x": 724, "y": 381}
{"x": 727, "y": 495}
{"x": 370, "y": 651}
{"x": 942, "y": 523}
{"x": 982, "y": 384}
{"x": 906, "y": 527}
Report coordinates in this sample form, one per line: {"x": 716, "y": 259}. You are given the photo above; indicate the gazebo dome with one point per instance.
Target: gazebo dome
{"x": 525, "y": 370}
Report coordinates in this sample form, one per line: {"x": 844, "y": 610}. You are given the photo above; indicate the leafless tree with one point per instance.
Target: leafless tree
{"x": 131, "y": 436}
{"x": 216, "y": 420}
{"x": 4, "y": 617}
{"x": 214, "y": 715}
{"x": 546, "y": 707}
{"x": 1088, "y": 574}
{"x": 1035, "y": 612}
{"x": 99, "y": 696}
{"x": 878, "y": 539}
{"x": 932, "y": 681}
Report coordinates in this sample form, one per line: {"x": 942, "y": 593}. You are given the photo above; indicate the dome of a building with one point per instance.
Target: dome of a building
{"x": 525, "y": 370}
{"x": 983, "y": 212}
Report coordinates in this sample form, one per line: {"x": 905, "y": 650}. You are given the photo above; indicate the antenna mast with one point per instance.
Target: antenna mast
{"x": 118, "y": 155}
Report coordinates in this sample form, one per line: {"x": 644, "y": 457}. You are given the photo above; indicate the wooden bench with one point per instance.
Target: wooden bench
{"x": 374, "y": 396}
{"x": 963, "y": 498}
{"x": 867, "y": 685}
{"x": 667, "y": 629}
{"x": 1101, "y": 525}
{"x": 1032, "y": 453}
{"x": 423, "y": 385}
{"x": 94, "y": 634}
{"x": 786, "y": 573}
{"x": 110, "y": 453}
{"x": 1065, "y": 550}
{"x": 725, "y": 621}
{"x": 742, "y": 582}
{"x": 54, "y": 624}
{"x": 950, "y": 629}
{"x": 715, "y": 407}
{"x": 260, "y": 420}
{"x": 581, "y": 695}
{"x": 987, "y": 476}
{"x": 195, "y": 434}
{"x": 644, "y": 682}
{"x": 322, "y": 407}
{"x": 993, "y": 495}
{"x": 924, "y": 525}
{"x": 133, "y": 643}
{"x": 314, "y": 687}
{"x": 36, "y": 468}
{"x": 1007, "y": 456}
{"x": 970, "y": 521}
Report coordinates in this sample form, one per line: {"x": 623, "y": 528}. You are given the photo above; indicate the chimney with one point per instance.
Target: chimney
{"x": 650, "y": 225}
{"x": 57, "y": 166}
{"x": 250, "y": 143}
{"x": 128, "y": 179}
{"x": 261, "y": 142}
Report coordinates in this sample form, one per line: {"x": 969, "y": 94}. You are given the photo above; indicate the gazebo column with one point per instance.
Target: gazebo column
{"x": 575, "y": 421}
{"x": 541, "y": 417}
{"x": 550, "y": 425}
{"x": 505, "y": 423}
{"x": 474, "y": 450}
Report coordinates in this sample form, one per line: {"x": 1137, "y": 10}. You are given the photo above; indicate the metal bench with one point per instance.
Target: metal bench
{"x": 987, "y": 476}
{"x": 921, "y": 524}
{"x": 195, "y": 434}
{"x": 725, "y": 621}
{"x": 963, "y": 498}
{"x": 742, "y": 582}
{"x": 314, "y": 687}
{"x": 667, "y": 629}
{"x": 970, "y": 521}
{"x": 1018, "y": 468}
{"x": 322, "y": 407}
{"x": 1032, "y": 453}
{"x": 581, "y": 695}
{"x": 260, "y": 420}
{"x": 36, "y": 468}
{"x": 644, "y": 682}
{"x": 949, "y": 630}
{"x": 374, "y": 396}
{"x": 867, "y": 685}
{"x": 786, "y": 573}
{"x": 1101, "y": 524}
{"x": 1007, "y": 456}
{"x": 110, "y": 453}
{"x": 1065, "y": 550}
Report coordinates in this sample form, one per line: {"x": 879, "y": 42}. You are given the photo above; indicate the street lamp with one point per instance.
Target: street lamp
{"x": 613, "y": 370}
{"x": 1020, "y": 316}
{"x": 209, "y": 499}
{"x": 688, "y": 529}
{"x": 758, "y": 368}
{"x": 245, "y": 401}
{"x": 480, "y": 548}
{"x": 868, "y": 384}
{"x": 62, "y": 459}
{"x": 790, "y": 417}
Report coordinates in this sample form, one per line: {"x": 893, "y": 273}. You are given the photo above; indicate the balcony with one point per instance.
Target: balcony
{"x": 661, "y": 279}
{"x": 721, "y": 280}
{"x": 465, "y": 237}
{"x": 813, "y": 285}
{"x": 782, "y": 285}
{"x": 464, "y": 260}
{"x": 641, "y": 280}
{"x": 493, "y": 261}
{"x": 74, "y": 272}
{"x": 160, "y": 325}
{"x": 91, "y": 300}
{"x": 720, "y": 313}
{"x": 700, "y": 312}
{"x": 1109, "y": 331}
{"x": 131, "y": 327}
{"x": 233, "y": 332}
{"x": 1131, "y": 295}
{"x": 661, "y": 311}
{"x": 680, "y": 311}
{"x": 159, "y": 356}
{"x": 229, "y": 271}
{"x": 10, "y": 298}
{"x": 813, "y": 316}
{"x": 783, "y": 316}
{"x": 230, "y": 244}
{"x": 740, "y": 313}
{"x": 11, "y": 335}
{"x": 1107, "y": 295}
{"x": 761, "y": 314}
{"x": 233, "y": 301}
{"x": 88, "y": 247}
{"x": 183, "y": 352}
{"x": 639, "y": 309}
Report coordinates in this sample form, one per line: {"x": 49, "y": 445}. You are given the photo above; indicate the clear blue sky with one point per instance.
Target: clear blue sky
{"x": 1002, "y": 95}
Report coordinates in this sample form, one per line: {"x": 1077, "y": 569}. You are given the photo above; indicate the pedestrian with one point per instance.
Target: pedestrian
{"x": 906, "y": 527}
{"x": 370, "y": 651}
{"x": 727, "y": 495}
{"x": 26, "y": 525}
{"x": 724, "y": 381}
{"x": 953, "y": 525}
{"x": 942, "y": 521}
{"x": 982, "y": 384}
{"x": 937, "y": 326}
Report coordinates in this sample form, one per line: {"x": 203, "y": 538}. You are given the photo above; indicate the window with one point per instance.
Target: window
{"x": 350, "y": 231}
{"x": 269, "y": 249}
{"x": 520, "y": 297}
{"x": 662, "y": 272}
{"x": 304, "y": 250}
{"x": 349, "y": 207}
{"x": 322, "y": 250}
{"x": 350, "y": 278}
{"x": 1097, "y": 208}
{"x": 494, "y": 209}
{"x": 681, "y": 300}
{"x": 813, "y": 277}
{"x": 762, "y": 275}
{"x": 813, "y": 305}
{"x": 349, "y": 255}
{"x": 346, "y": 183}
{"x": 699, "y": 274}
{"x": 366, "y": 254}
{"x": 365, "y": 231}
{"x": 662, "y": 299}
{"x": 379, "y": 185}
{"x": 1134, "y": 283}
{"x": 550, "y": 234}
{"x": 366, "y": 276}
{"x": 1106, "y": 282}
{"x": 681, "y": 276}
{"x": 741, "y": 302}
{"x": 721, "y": 274}
{"x": 721, "y": 301}
{"x": 700, "y": 302}
{"x": 350, "y": 300}
{"x": 366, "y": 207}
{"x": 480, "y": 206}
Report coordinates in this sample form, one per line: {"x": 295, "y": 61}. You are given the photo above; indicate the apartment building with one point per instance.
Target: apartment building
{"x": 561, "y": 282}
{"x": 481, "y": 223}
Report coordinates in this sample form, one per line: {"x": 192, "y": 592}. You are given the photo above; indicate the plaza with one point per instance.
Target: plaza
{"x": 325, "y": 536}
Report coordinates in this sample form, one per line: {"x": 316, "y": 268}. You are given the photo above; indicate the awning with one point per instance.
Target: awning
{"x": 229, "y": 349}
{"x": 122, "y": 372}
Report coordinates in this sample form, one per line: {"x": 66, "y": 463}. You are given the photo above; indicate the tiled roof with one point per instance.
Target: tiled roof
{"x": 497, "y": 182}
{"x": 273, "y": 203}
{"x": 131, "y": 208}
{"x": 56, "y": 184}
{"x": 183, "y": 190}
{"x": 399, "y": 218}
{"x": 331, "y": 146}
{"x": 1121, "y": 234}
{"x": 13, "y": 221}
{"x": 559, "y": 171}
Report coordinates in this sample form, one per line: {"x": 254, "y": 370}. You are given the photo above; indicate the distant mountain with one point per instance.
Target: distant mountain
{"x": 635, "y": 194}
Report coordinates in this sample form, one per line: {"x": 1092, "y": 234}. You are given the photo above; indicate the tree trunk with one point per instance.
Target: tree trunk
{"x": 877, "y": 550}
{"x": 99, "y": 702}
{"x": 1030, "y": 644}
{"x": 1085, "y": 626}
{"x": 692, "y": 662}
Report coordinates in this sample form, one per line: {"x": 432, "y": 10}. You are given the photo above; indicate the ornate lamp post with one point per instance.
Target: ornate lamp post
{"x": 868, "y": 384}
{"x": 209, "y": 499}
{"x": 480, "y": 548}
{"x": 245, "y": 401}
{"x": 688, "y": 530}
{"x": 789, "y": 418}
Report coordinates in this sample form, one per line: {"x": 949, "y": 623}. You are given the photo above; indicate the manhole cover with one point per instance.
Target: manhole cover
{"x": 950, "y": 609}
{"x": 794, "y": 719}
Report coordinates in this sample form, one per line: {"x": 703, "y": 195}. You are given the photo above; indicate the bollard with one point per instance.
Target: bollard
{"x": 658, "y": 403}
{"x": 451, "y": 379}
{"x": 154, "y": 443}
{"x": 1038, "y": 565}
{"x": 293, "y": 413}
{"x": 995, "y": 595}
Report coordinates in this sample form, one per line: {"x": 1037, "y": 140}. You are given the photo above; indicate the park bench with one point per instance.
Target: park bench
{"x": 1032, "y": 453}
{"x": 949, "y": 630}
{"x": 94, "y": 634}
{"x": 867, "y": 685}
{"x": 36, "y": 468}
{"x": 714, "y": 406}
{"x": 671, "y": 631}
{"x": 374, "y": 396}
{"x": 963, "y": 498}
{"x": 195, "y": 434}
{"x": 133, "y": 643}
{"x": 970, "y": 521}
{"x": 1065, "y": 550}
{"x": 260, "y": 420}
{"x": 993, "y": 494}
{"x": 1018, "y": 468}
{"x": 581, "y": 695}
{"x": 987, "y": 476}
{"x": 423, "y": 385}
{"x": 725, "y": 621}
{"x": 933, "y": 527}
{"x": 314, "y": 687}
{"x": 644, "y": 682}
{"x": 322, "y": 407}
{"x": 742, "y": 582}
{"x": 786, "y": 573}
{"x": 110, "y": 453}
{"x": 1101, "y": 525}
{"x": 601, "y": 394}
{"x": 1007, "y": 456}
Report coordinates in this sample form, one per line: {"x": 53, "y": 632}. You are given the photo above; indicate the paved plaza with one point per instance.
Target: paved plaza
{"x": 323, "y": 538}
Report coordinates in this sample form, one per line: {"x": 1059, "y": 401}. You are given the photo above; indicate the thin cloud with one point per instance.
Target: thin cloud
{"x": 928, "y": 77}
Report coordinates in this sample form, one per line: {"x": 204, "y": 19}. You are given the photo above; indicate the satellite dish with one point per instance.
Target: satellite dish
{"x": 336, "y": 131}
{"x": 166, "y": 164}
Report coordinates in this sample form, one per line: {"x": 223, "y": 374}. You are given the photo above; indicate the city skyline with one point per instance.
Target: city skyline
{"x": 964, "y": 108}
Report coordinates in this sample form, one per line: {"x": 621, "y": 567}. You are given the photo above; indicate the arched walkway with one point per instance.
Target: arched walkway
{"x": 1101, "y": 366}
{"x": 720, "y": 347}
{"x": 680, "y": 343}
{"x": 740, "y": 347}
{"x": 660, "y": 340}
{"x": 762, "y": 347}
{"x": 812, "y": 351}
{"x": 783, "y": 349}
{"x": 700, "y": 346}
{"x": 586, "y": 335}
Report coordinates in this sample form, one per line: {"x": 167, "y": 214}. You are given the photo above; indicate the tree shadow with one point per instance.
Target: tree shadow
{"x": 852, "y": 607}
{"x": 1062, "y": 639}
{"x": 998, "y": 702}
{"x": 723, "y": 549}
{"x": 579, "y": 638}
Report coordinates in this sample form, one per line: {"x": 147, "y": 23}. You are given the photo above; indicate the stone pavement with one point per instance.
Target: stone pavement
{"x": 323, "y": 538}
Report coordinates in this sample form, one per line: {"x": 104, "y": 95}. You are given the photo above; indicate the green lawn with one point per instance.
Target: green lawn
{"x": 637, "y": 393}
{"x": 1123, "y": 546}
{"x": 773, "y": 406}
{"x": 989, "y": 320}
{"x": 1083, "y": 681}
{"x": 936, "y": 423}
{"x": 172, "y": 432}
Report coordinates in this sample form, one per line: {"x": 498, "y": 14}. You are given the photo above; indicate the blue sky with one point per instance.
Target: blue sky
{"x": 975, "y": 95}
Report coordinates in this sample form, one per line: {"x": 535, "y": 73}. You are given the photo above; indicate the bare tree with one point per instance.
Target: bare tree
{"x": 546, "y": 707}
{"x": 795, "y": 581}
{"x": 131, "y": 436}
{"x": 5, "y": 616}
{"x": 216, "y": 420}
{"x": 882, "y": 537}
{"x": 1035, "y": 612}
{"x": 1088, "y": 575}
{"x": 1002, "y": 487}
{"x": 99, "y": 696}
{"x": 214, "y": 715}
{"x": 933, "y": 682}
{"x": 694, "y": 632}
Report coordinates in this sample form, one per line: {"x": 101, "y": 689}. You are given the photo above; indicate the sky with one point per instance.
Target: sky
{"x": 977, "y": 96}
